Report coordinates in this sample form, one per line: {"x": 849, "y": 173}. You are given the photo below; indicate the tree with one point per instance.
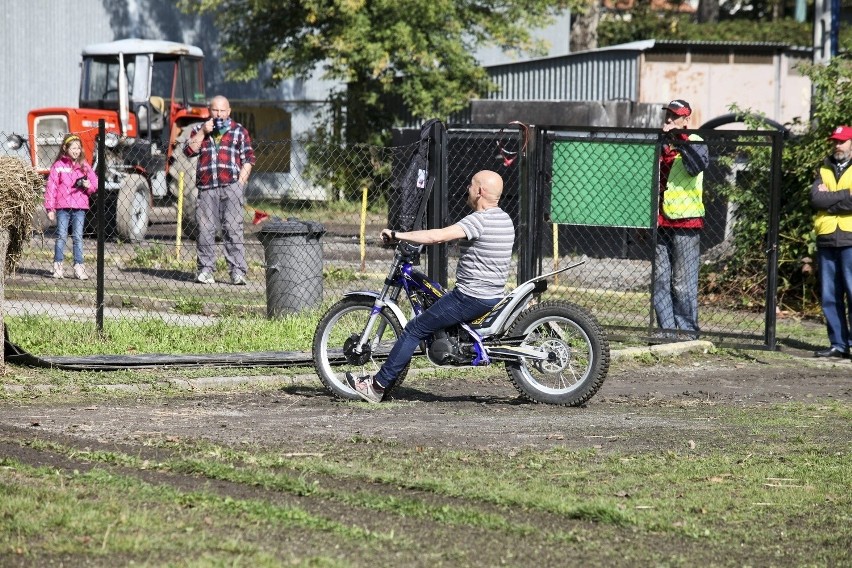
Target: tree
{"x": 584, "y": 27}
{"x": 708, "y": 11}
{"x": 714, "y": 20}
{"x": 418, "y": 52}
{"x": 645, "y": 23}
{"x": 797, "y": 283}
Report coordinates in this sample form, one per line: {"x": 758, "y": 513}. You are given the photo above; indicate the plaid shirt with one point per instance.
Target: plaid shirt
{"x": 219, "y": 163}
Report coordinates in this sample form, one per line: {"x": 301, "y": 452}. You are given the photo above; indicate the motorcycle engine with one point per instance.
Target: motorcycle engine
{"x": 445, "y": 349}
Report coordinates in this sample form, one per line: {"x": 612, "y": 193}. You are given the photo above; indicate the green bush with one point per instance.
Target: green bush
{"x": 744, "y": 274}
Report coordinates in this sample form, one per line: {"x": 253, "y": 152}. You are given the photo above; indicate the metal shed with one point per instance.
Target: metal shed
{"x": 759, "y": 76}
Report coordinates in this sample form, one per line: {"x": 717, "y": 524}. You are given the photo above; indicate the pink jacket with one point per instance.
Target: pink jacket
{"x": 61, "y": 193}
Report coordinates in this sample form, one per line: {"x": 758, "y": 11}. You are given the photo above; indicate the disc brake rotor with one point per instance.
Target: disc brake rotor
{"x": 559, "y": 356}
{"x": 353, "y": 357}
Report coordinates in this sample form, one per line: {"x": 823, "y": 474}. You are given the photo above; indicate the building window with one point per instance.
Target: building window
{"x": 711, "y": 57}
{"x": 753, "y": 59}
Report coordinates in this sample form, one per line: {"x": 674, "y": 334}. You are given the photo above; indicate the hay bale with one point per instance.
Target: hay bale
{"x": 21, "y": 192}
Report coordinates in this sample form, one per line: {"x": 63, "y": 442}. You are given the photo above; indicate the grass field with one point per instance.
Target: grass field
{"x": 725, "y": 458}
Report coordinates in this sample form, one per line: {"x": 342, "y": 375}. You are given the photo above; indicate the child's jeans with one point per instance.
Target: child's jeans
{"x": 77, "y": 217}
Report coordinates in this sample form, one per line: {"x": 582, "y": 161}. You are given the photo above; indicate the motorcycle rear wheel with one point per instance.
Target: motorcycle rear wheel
{"x": 578, "y": 351}
{"x": 336, "y": 338}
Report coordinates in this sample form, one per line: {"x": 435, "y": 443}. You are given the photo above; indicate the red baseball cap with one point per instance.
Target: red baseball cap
{"x": 841, "y": 133}
{"x": 680, "y": 107}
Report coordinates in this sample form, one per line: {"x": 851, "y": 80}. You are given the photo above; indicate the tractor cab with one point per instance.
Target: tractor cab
{"x": 156, "y": 88}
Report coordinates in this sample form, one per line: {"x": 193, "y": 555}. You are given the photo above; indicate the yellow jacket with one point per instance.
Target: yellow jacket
{"x": 826, "y": 223}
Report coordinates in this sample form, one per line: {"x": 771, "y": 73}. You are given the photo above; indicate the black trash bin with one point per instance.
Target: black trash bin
{"x": 293, "y": 254}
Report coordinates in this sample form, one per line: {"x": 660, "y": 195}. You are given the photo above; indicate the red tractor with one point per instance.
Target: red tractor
{"x": 149, "y": 94}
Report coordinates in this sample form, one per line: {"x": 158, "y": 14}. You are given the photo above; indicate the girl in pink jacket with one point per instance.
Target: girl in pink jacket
{"x": 69, "y": 185}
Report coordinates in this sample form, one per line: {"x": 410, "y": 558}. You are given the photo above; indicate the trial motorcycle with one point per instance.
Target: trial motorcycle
{"x": 554, "y": 352}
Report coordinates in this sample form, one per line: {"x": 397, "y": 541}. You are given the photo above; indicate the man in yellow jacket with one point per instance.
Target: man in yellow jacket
{"x": 683, "y": 159}
{"x": 832, "y": 199}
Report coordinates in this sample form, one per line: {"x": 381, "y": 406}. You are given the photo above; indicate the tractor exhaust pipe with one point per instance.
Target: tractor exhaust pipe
{"x": 123, "y": 113}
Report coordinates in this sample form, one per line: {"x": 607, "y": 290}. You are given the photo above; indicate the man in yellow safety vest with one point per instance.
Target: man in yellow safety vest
{"x": 830, "y": 196}
{"x": 683, "y": 159}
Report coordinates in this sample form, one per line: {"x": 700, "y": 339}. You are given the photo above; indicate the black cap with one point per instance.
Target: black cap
{"x": 680, "y": 107}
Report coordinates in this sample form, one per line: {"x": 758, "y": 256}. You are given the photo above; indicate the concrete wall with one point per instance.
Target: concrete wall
{"x": 772, "y": 86}
{"x": 567, "y": 113}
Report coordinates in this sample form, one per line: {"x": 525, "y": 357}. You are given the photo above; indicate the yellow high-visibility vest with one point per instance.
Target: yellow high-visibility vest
{"x": 826, "y": 223}
{"x": 684, "y": 195}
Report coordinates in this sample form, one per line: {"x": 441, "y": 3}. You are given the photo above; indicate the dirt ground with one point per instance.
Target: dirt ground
{"x": 486, "y": 413}
{"x": 465, "y": 412}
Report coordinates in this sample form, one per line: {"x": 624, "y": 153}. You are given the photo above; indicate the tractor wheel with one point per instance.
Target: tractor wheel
{"x": 131, "y": 215}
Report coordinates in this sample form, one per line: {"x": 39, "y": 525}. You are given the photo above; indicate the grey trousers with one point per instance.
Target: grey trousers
{"x": 221, "y": 206}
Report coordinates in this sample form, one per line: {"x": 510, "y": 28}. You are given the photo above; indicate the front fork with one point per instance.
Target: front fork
{"x": 378, "y": 306}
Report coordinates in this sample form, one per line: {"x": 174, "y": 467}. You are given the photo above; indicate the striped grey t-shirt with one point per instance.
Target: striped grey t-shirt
{"x": 486, "y": 254}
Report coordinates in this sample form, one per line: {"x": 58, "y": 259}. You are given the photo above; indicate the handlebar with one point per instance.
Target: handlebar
{"x": 404, "y": 247}
{"x": 408, "y": 249}
{"x": 405, "y": 251}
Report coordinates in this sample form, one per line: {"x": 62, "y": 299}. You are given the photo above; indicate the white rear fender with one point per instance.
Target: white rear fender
{"x": 514, "y": 303}
{"x": 390, "y": 304}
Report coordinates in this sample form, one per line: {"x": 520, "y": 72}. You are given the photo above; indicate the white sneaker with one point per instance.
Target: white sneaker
{"x": 205, "y": 278}
{"x": 366, "y": 387}
{"x": 80, "y": 272}
{"x": 58, "y": 270}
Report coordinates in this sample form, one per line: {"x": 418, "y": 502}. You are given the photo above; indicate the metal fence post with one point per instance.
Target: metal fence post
{"x": 655, "y": 208}
{"x": 438, "y": 210}
{"x": 101, "y": 202}
{"x": 772, "y": 240}
{"x": 529, "y": 250}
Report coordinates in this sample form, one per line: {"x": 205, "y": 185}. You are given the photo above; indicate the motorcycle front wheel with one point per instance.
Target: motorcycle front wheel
{"x": 337, "y": 345}
{"x": 578, "y": 354}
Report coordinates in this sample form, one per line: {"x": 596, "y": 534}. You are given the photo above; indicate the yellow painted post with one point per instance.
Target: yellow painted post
{"x": 555, "y": 252}
{"x": 179, "y": 217}
{"x": 363, "y": 231}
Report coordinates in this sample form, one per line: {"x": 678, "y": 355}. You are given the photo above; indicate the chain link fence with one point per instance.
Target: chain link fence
{"x": 472, "y": 149}
{"x": 573, "y": 193}
{"x": 148, "y": 247}
{"x": 600, "y": 204}
{"x": 591, "y": 195}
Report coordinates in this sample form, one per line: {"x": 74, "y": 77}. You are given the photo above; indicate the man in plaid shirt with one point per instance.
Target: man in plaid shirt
{"x": 225, "y": 159}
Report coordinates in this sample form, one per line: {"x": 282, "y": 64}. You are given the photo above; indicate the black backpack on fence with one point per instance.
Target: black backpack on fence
{"x": 411, "y": 187}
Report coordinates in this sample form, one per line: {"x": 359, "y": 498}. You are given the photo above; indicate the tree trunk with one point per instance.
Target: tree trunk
{"x": 584, "y": 28}
{"x": 708, "y": 11}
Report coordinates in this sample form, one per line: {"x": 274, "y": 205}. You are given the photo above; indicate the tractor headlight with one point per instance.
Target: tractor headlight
{"x": 111, "y": 140}
{"x": 14, "y": 142}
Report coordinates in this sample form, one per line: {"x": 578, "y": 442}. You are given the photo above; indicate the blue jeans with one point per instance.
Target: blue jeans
{"x": 77, "y": 218}
{"x": 676, "y": 261}
{"x": 835, "y": 268}
{"x": 452, "y": 308}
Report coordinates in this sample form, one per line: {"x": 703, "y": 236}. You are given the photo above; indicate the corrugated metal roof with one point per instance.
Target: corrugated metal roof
{"x": 605, "y": 74}
{"x": 584, "y": 77}
{"x": 636, "y": 47}
{"x": 772, "y": 45}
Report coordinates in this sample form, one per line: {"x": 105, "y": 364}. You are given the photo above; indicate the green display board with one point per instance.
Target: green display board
{"x": 603, "y": 184}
